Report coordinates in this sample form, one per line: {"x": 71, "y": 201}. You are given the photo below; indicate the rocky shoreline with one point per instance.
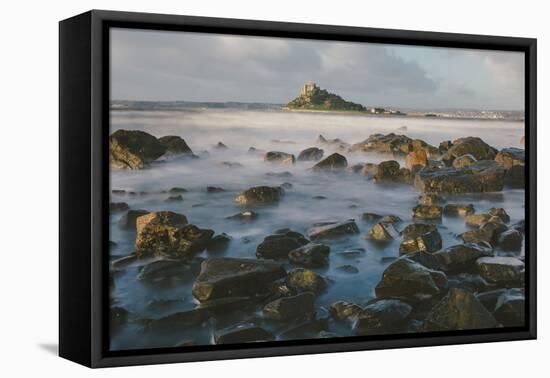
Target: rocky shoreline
{"x": 429, "y": 285}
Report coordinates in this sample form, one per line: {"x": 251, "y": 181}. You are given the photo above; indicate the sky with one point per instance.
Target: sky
{"x": 182, "y": 66}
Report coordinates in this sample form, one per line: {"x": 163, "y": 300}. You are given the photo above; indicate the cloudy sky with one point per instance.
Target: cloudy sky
{"x": 170, "y": 66}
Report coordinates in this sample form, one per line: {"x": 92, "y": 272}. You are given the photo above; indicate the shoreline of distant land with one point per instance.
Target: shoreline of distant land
{"x": 460, "y": 114}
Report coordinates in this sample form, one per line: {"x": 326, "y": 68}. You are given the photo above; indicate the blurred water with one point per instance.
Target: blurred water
{"x": 347, "y": 196}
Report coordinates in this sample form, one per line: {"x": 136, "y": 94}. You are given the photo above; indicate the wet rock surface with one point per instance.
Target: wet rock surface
{"x": 279, "y": 157}
{"x": 333, "y": 230}
{"x": 132, "y": 149}
{"x": 311, "y": 154}
{"x": 242, "y": 333}
{"x": 334, "y": 162}
{"x": 312, "y": 255}
{"x": 260, "y": 195}
{"x": 501, "y": 270}
{"x": 278, "y": 246}
{"x": 383, "y": 232}
{"x": 175, "y": 145}
{"x": 291, "y": 308}
{"x": 382, "y": 316}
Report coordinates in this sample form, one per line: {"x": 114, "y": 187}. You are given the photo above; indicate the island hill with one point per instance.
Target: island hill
{"x": 314, "y": 98}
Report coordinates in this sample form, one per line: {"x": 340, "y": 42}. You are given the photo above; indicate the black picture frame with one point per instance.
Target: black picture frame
{"x": 84, "y": 186}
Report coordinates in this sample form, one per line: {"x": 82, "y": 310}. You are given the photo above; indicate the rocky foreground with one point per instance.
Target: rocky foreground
{"x": 428, "y": 287}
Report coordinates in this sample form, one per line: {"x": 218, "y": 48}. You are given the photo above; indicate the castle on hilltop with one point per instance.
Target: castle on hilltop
{"x": 308, "y": 88}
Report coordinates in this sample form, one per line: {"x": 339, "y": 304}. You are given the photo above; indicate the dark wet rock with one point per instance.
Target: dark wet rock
{"x": 333, "y": 230}
{"x": 458, "y": 310}
{"x": 177, "y": 190}
{"x": 483, "y": 176}
{"x": 222, "y": 277}
{"x": 390, "y": 171}
{"x": 162, "y": 270}
{"x": 291, "y": 308}
{"x": 394, "y": 144}
{"x": 219, "y": 243}
{"x": 311, "y": 255}
{"x": 476, "y": 220}
{"x": 468, "y": 281}
{"x": 279, "y": 157}
{"x": 489, "y": 298}
{"x": 177, "y": 198}
{"x": 510, "y": 308}
{"x": 335, "y": 143}
{"x": 334, "y": 162}
{"x": 124, "y": 262}
{"x": 231, "y": 164}
{"x": 431, "y": 199}
{"x": 132, "y": 149}
{"x": 383, "y": 232}
{"x": 426, "y": 259}
{"x": 357, "y": 168}
{"x": 118, "y": 192}
{"x": 414, "y": 230}
{"x": 220, "y": 146}
{"x": 279, "y": 174}
{"x": 391, "y": 219}
{"x": 244, "y": 216}
{"x": 303, "y": 280}
{"x": 509, "y": 157}
{"x": 464, "y": 161}
{"x": 311, "y": 154}
{"x": 416, "y": 160}
{"x": 260, "y": 195}
{"x": 165, "y": 233}
{"x": 278, "y": 246}
{"x": 345, "y": 311}
{"x": 175, "y": 145}
{"x": 118, "y": 317}
{"x": 500, "y": 213}
{"x": 461, "y": 257}
{"x": 254, "y": 150}
{"x": 445, "y": 146}
{"x": 382, "y": 316}
{"x": 510, "y": 240}
{"x": 491, "y": 231}
{"x": 371, "y": 217}
{"x": 501, "y": 270}
{"x": 351, "y": 253}
{"x": 350, "y": 269}
{"x": 458, "y": 209}
{"x": 306, "y": 330}
{"x": 428, "y": 242}
{"x": 286, "y": 185}
{"x": 473, "y": 146}
{"x": 118, "y": 207}
{"x": 427, "y": 212}
{"x": 183, "y": 319}
{"x": 128, "y": 220}
{"x": 242, "y": 333}
{"x": 520, "y": 226}
{"x": 214, "y": 189}
{"x": 515, "y": 177}
{"x": 320, "y": 198}
{"x": 405, "y": 278}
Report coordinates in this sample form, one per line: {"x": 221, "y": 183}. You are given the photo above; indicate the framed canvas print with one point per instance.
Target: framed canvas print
{"x": 234, "y": 188}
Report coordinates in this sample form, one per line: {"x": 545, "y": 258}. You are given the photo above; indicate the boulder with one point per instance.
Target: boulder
{"x": 279, "y": 157}
{"x": 473, "y": 146}
{"x": 428, "y": 242}
{"x": 133, "y": 149}
{"x": 382, "y": 316}
{"x": 175, "y": 145}
{"x": 510, "y": 240}
{"x": 510, "y": 308}
{"x": 116, "y": 207}
{"x": 458, "y": 310}
{"x": 509, "y": 157}
{"x": 427, "y": 212}
{"x": 219, "y": 243}
{"x": 491, "y": 231}
{"x": 177, "y": 190}
{"x": 311, "y": 255}
{"x": 383, "y": 232}
{"x": 334, "y": 162}
{"x": 391, "y": 219}
{"x": 389, "y": 171}
{"x": 303, "y": 280}
{"x": 183, "y": 319}
{"x": 335, "y": 143}
{"x": 461, "y": 257}
{"x": 244, "y": 216}
{"x": 416, "y": 160}
{"x": 445, "y": 146}
{"x": 260, "y": 195}
{"x": 414, "y": 230}
{"x": 128, "y": 220}
{"x": 469, "y": 281}
{"x": 483, "y": 176}
{"x": 214, "y": 189}
{"x": 231, "y": 164}
{"x": 371, "y": 217}
{"x": 500, "y": 213}
{"x": 405, "y": 278}
{"x": 464, "y": 161}
{"x": 333, "y": 230}
{"x": 224, "y": 277}
{"x": 220, "y": 146}
{"x": 515, "y": 177}
{"x": 345, "y": 311}
{"x": 278, "y": 246}
{"x": 370, "y": 170}
{"x": 300, "y": 306}
{"x": 311, "y": 154}
{"x": 177, "y": 198}
{"x": 397, "y": 145}
{"x": 476, "y": 220}
{"x": 242, "y": 333}
{"x": 431, "y": 199}
{"x": 501, "y": 271}
{"x": 162, "y": 270}
{"x": 458, "y": 209}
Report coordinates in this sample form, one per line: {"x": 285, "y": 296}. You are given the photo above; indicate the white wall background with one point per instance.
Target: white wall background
{"x": 29, "y": 187}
